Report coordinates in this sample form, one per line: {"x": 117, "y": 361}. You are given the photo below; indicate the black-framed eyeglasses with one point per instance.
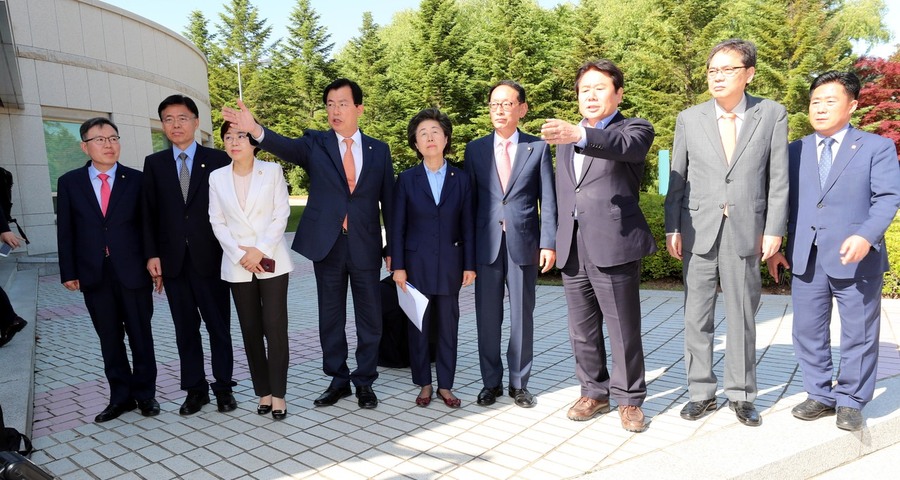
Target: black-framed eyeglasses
{"x": 113, "y": 139}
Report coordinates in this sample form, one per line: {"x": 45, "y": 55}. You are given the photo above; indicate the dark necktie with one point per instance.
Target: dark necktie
{"x": 825, "y": 160}
{"x": 184, "y": 175}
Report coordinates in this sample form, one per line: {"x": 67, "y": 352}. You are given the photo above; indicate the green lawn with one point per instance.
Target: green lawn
{"x": 294, "y": 219}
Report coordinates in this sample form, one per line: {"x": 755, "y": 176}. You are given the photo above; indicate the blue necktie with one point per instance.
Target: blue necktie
{"x": 825, "y": 160}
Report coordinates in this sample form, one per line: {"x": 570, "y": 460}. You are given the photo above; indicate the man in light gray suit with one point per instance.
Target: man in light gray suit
{"x": 725, "y": 211}
{"x": 515, "y": 205}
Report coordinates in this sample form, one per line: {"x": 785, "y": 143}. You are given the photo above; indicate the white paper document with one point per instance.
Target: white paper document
{"x": 413, "y": 304}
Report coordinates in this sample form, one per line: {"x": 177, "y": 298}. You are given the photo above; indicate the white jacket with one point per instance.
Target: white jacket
{"x": 261, "y": 225}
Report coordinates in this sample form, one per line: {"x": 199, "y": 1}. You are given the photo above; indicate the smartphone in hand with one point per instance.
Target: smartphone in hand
{"x": 268, "y": 265}
{"x": 5, "y": 249}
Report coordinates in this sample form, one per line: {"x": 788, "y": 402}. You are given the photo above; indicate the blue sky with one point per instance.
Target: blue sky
{"x": 343, "y": 17}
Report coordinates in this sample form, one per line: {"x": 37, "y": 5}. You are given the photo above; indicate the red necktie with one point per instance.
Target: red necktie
{"x": 104, "y": 192}
{"x": 349, "y": 170}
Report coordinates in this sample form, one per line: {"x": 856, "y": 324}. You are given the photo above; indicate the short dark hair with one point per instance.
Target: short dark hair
{"x": 520, "y": 90}
{"x": 341, "y": 83}
{"x": 605, "y": 66}
{"x": 224, "y": 129}
{"x": 848, "y": 80}
{"x": 178, "y": 99}
{"x": 745, "y": 48}
{"x": 429, "y": 114}
{"x": 95, "y": 122}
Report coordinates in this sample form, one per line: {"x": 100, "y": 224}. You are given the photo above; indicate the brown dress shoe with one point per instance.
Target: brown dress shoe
{"x": 587, "y": 408}
{"x": 632, "y": 418}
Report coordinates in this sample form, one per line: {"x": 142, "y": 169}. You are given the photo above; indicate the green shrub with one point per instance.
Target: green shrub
{"x": 891, "y": 288}
{"x": 660, "y": 264}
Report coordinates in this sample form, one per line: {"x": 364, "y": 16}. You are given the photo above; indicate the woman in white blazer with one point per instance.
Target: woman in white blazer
{"x": 249, "y": 210}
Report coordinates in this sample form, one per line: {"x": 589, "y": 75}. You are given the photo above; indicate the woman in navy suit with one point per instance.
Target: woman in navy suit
{"x": 433, "y": 248}
{"x": 249, "y": 210}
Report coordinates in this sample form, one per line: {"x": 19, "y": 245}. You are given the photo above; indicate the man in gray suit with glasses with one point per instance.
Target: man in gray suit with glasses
{"x": 725, "y": 211}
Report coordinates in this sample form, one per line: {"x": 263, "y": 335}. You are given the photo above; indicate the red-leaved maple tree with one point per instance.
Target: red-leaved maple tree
{"x": 879, "y": 99}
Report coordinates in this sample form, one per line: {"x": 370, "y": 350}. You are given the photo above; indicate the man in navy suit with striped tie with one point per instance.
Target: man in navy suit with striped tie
{"x": 844, "y": 193}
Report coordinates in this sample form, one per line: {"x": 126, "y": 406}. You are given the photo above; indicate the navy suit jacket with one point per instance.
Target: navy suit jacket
{"x": 860, "y": 197}
{"x": 606, "y": 195}
{"x": 84, "y": 234}
{"x": 170, "y": 224}
{"x": 528, "y": 205}
{"x": 433, "y": 243}
{"x": 330, "y": 199}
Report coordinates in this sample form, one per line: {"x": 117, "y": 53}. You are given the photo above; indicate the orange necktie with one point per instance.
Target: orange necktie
{"x": 349, "y": 170}
{"x": 729, "y": 134}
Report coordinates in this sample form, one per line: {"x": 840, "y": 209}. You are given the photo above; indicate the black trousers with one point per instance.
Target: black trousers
{"x": 7, "y": 314}
{"x": 116, "y": 311}
{"x": 262, "y": 311}
{"x": 191, "y": 296}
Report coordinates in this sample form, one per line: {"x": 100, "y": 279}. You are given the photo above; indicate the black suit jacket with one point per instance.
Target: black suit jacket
{"x": 84, "y": 234}
{"x": 170, "y": 224}
{"x": 606, "y": 195}
{"x": 330, "y": 199}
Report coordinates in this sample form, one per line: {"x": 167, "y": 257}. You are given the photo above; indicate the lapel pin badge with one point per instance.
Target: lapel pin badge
{"x": 202, "y": 165}
{"x": 853, "y": 147}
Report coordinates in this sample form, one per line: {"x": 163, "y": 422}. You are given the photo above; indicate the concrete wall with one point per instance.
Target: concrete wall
{"x": 84, "y": 58}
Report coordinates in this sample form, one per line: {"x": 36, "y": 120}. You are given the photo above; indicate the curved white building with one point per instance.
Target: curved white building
{"x": 64, "y": 61}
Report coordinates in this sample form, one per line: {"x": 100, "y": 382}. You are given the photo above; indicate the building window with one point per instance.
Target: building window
{"x": 160, "y": 142}
{"x": 63, "y": 148}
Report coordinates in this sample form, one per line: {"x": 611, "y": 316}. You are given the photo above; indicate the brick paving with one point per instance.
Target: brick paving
{"x": 398, "y": 439}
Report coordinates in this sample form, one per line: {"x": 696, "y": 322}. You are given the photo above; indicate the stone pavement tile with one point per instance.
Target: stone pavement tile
{"x": 554, "y": 469}
{"x": 225, "y": 470}
{"x": 86, "y": 458}
{"x": 383, "y": 460}
{"x": 312, "y": 460}
{"x": 106, "y": 470}
{"x": 131, "y": 461}
{"x": 155, "y": 471}
{"x": 154, "y": 453}
{"x": 340, "y": 472}
{"x": 205, "y": 457}
{"x": 61, "y": 467}
{"x": 333, "y": 452}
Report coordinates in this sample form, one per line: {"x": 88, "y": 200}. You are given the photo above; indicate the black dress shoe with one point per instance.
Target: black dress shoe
{"x": 746, "y": 413}
{"x": 149, "y": 407}
{"x": 279, "y": 414}
{"x": 225, "y": 402}
{"x": 811, "y": 410}
{"x": 194, "y": 402}
{"x": 366, "y": 397}
{"x": 263, "y": 409}
{"x": 487, "y": 396}
{"x": 332, "y": 395}
{"x": 9, "y": 332}
{"x": 114, "y": 410}
{"x": 849, "y": 418}
{"x": 695, "y": 410}
{"x": 523, "y": 397}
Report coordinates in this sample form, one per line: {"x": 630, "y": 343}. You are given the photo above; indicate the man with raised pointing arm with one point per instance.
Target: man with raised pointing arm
{"x": 351, "y": 180}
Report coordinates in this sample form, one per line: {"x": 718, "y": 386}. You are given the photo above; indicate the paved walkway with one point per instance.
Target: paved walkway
{"x": 400, "y": 440}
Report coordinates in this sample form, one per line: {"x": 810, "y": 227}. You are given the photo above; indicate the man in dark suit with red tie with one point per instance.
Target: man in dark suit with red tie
{"x": 101, "y": 254}
{"x": 350, "y": 176}
{"x": 601, "y": 238}
{"x": 184, "y": 252}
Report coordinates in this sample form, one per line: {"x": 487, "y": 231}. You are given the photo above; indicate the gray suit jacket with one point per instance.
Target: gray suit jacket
{"x": 529, "y": 204}
{"x": 754, "y": 186}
